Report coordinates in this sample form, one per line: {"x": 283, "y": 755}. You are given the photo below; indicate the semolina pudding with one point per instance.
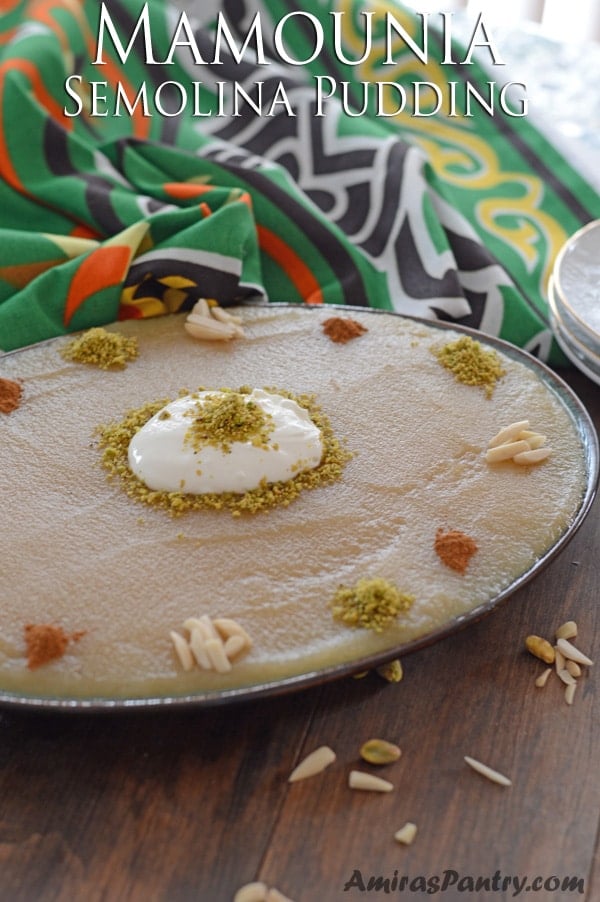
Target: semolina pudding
{"x": 393, "y": 514}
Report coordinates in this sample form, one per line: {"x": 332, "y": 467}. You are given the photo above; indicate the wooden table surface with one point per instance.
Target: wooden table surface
{"x": 191, "y": 804}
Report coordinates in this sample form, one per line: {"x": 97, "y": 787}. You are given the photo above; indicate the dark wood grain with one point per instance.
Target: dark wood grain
{"x": 189, "y": 805}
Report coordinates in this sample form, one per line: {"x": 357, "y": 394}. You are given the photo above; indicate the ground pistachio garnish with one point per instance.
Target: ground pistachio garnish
{"x": 228, "y": 417}
{"x": 114, "y": 439}
{"x": 98, "y": 347}
{"x": 371, "y": 604}
{"x": 471, "y": 363}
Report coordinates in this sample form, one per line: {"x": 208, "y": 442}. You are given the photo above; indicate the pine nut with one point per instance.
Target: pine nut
{"x": 227, "y": 627}
{"x": 216, "y": 652}
{"x": 183, "y": 651}
{"x": 234, "y": 646}
{"x": 406, "y": 834}
{"x": 358, "y": 779}
{"x": 275, "y": 896}
{"x": 313, "y": 764}
{"x": 543, "y": 678}
{"x": 486, "y": 771}
{"x": 197, "y": 644}
{"x": 251, "y": 892}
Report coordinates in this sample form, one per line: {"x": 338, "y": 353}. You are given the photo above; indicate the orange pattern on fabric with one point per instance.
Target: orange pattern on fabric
{"x": 296, "y": 270}
{"x": 43, "y": 97}
{"x": 83, "y": 231}
{"x": 185, "y": 190}
{"x": 104, "y": 268}
{"x": 22, "y": 274}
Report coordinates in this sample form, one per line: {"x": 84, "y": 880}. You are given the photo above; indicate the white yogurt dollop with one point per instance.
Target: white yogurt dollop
{"x": 161, "y": 457}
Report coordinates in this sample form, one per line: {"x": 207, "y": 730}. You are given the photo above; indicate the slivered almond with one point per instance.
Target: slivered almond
{"x": 488, "y": 772}
{"x": 509, "y": 433}
{"x": 183, "y": 650}
{"x": 216, "y": 652}
{"x": 534, "y": 456}
{"x": 506, "y": 452}
{"x": 358, "y": 779}
{"x": 406, "y": 834}
{"x": 203, "y": 327}
{"x": 567, "y": 630}
{"x": 572, "y": 653}
{"x": 559, "y": 659}
{"x": 313, "y": 764}
{"x": 200, "y": 308}
{"x": 533, "y": 439}
{"x": 570, "y": 692}
{"x": 224, "y": 316}
{"x": 566, "y": 677}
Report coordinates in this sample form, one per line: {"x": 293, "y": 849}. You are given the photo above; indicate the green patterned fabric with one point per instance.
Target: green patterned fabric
{"x": 108, "y": 213}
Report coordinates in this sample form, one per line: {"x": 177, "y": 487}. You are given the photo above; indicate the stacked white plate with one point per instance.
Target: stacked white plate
{"x": 574, "y": 297}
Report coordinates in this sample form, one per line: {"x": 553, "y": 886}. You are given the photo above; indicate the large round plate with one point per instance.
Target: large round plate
{"x": 588, "y": 440}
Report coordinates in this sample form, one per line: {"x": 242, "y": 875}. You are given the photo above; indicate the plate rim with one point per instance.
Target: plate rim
{"x": 287, "y": 685}
{"x": 589, "y": 227}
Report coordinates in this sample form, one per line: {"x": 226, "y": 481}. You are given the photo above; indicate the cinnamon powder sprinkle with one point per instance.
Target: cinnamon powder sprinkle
{"x": 342, "y": 330}
{"x": 46, "y": 642}
{"x": 10, "y": 395}
{"x": 454, "y": 548}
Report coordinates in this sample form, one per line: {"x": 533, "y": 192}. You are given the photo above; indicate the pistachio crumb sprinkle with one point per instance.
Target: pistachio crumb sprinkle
{"x": 114, "y": 439}
{"x": 98, "y": 347}
{"x": 228, "y": 417}
{"x": 471, "y": 363}
{"x": 371, "y": 604}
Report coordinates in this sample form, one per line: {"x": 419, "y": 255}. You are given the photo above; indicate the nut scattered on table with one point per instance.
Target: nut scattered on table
{"x": 567, "y": 630}
{"x": 259, "y": 892}
{"x": 543, "y": 678}
{"x": 406, "y": 834}
{"x": 541, "y": 648}
{"x": 572, "y": 653}
{"x": 488, "y": 772}
{"x": 392, "y": 671}
{"x": 569, "y": 661}
{"x": 358, "y": 779}
{"x": 313, "y": 764}
{"x": 379, "y": 751}
{"x": 252, "y": 892}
